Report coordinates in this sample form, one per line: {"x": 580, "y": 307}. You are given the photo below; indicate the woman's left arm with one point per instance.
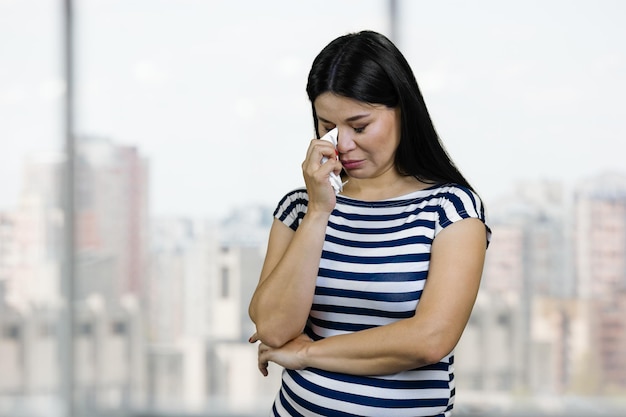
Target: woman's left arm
{"x": 457, "y": 258}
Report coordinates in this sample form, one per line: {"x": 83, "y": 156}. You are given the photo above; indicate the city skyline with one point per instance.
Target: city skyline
{"x": 497, "y": 200}
{"x": 516, "y": 91}
{"x": 553, "y": 296}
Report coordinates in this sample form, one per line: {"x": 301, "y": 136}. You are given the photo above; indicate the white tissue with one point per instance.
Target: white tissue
{"x": 335, "y": 180}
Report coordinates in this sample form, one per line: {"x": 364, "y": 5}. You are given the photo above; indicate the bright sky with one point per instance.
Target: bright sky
{"x": 213, "y": 92}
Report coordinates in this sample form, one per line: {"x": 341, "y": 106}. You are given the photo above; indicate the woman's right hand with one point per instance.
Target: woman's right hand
{"x": 317, "y": 175}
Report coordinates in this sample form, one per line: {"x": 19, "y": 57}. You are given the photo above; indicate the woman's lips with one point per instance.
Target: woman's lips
{"x": 351, "y": 164}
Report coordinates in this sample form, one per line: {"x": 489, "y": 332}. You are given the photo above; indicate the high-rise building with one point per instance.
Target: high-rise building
{"x": 32, "y": 236}
{"x": 111, "y": 216}
{"x": 530, "y": 249}
{"x": 526, "y": 267}
{"x": 111, "y": 219}
{"x": 200, "y": 284}
{"x": 8, "y": 253}
{"x": 600, "y": 205}
{"x": 600, "y": 242}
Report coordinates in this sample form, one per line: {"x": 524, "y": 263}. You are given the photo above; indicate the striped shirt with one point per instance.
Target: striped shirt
{"x": 372, "y": 272}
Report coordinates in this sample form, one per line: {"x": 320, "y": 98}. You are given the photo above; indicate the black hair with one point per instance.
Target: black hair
{"x": 368, "y": 67}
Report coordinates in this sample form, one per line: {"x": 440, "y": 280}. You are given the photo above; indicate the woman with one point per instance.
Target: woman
{"x": 363, "y": 295}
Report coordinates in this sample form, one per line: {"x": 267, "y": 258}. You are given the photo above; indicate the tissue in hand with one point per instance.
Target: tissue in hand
{"x": 335, "y": 180}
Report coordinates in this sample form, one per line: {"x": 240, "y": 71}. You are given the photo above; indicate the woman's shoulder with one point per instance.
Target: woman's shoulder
{"x": 453, "y": 190}
{"x": 459, "y": 202}
{"x": 292, "y": 207}
{"x": 296, "y": 195}
{"x": 450, "y": 187}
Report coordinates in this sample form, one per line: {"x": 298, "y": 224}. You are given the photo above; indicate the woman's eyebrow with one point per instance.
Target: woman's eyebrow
{"x": 349, "y": 119}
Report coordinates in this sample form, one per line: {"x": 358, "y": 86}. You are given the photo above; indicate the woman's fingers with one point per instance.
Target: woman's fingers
{"x": 320, "y": 153}
{"x": 317, "y": 175}
{"x": 319, "y": 149}
{"x": 263, "y": 363}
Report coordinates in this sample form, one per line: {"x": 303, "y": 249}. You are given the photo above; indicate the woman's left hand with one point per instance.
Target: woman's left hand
{"x": 290, "y": 356}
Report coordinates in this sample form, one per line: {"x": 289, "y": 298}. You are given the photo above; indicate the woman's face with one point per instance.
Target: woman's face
{"x": 368, "y": 137}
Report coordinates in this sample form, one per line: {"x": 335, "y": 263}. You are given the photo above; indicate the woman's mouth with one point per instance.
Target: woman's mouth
{"x": 351, "y": 164}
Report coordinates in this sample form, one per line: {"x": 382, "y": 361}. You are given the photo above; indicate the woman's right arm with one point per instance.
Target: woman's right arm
{"x": 282, "y": 300}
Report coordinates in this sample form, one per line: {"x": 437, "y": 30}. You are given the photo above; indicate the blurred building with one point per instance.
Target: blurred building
{"x": 526, "y": 266}
{"x": 550, "y": 315}
{"x": 111, "y": 226}
{"x": 490, "y": 351}
{"x": 163, "y": 327}
{"x": 111, "y": 258}
{"x": 201, "y": 281}
{"x": 112, "y": 219}
{"x": 8, "y": 253}
{"x": 531, "y": 251}
{"x": 600, "y": 204}
{"x": 32, "y": 243}
{"x": 109, "y": 358}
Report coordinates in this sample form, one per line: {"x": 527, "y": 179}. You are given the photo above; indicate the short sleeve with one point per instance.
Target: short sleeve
{"x": 292, "y": 208}
{"x": 458, "y": 203}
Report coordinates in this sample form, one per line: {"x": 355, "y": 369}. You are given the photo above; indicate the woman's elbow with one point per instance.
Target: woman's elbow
{"x": 434, "y": 355}
{"x": 434, "y": 351}
{"x": 274, "y": 330}
{"x": 273, "y": 337}
{"x": 271, "y": 332}
{"x": 252, "y": 313}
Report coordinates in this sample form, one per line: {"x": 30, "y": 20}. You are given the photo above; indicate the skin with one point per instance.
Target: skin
{"x": 368, "y": 139}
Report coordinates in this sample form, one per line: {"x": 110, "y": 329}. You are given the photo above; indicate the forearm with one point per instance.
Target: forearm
{"x": 379, "y": 351}
{"x": 281, "y": 304}
{"x": 382, "y": 350}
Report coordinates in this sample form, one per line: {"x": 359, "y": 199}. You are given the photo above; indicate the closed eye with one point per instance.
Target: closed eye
{"x": 360, "y": 129}
{"x": 328, "y": 128}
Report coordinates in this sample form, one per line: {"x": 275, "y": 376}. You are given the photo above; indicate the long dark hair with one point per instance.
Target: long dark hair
{"x": 367, "y": 66}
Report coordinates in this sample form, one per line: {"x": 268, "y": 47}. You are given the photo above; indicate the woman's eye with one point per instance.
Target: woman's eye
{"x": 359, "y": 129}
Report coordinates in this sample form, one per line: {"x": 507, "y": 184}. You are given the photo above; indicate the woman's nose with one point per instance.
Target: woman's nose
{"x": 344, "y": 141}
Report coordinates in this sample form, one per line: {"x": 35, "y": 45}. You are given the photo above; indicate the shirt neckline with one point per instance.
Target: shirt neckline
{"x": 401, "y": 199}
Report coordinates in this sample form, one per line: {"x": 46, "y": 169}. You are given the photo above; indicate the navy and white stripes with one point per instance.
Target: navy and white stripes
{"x": 372, "y": 272}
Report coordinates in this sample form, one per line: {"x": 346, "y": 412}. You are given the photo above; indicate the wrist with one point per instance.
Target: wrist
{"x": 305, "y": 355}
{"x": 315, "y": 215}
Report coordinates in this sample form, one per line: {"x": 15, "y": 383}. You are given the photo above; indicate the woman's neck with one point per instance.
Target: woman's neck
{"x": 375, "y": 189}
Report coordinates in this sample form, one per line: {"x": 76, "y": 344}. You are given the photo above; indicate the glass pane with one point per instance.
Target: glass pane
{"x": 180, "y": 108}
{"x": 31, "y": 217}
{"x": 191, "y": 123}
